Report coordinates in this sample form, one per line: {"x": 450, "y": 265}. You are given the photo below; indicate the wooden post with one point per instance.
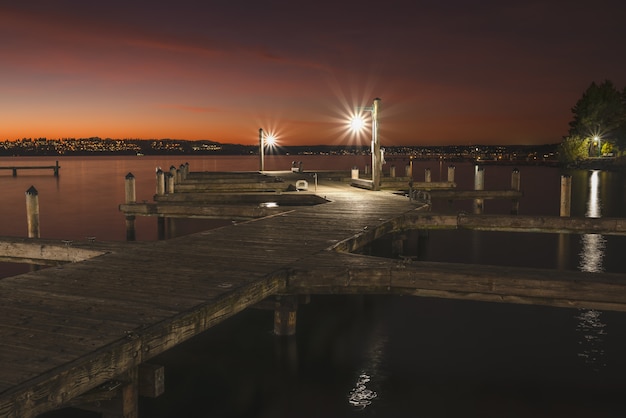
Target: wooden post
{"x": 451, "y": 171}
{"x": 160, "y": 189}
{"x": 181, "y": 173}
{"x": 515, "y": 185}
{"x": 56, "y": 169}
{"x": 367, "y": 169}
{"x": 408, "y": 171}
{"x": 566, "y": 196}
{"x": 285, "y": 310}
{"x": 129, "y": 188}
{"x": 186, "y": 170}
{"x": 173, "y": 171}
{"x": 170, "y": 183}
{"x": 355, "y": 173}
{"x": 126, "y": 403}
{"x": 392, "y": 171}
{"x": 32, "y": 212}
{"x": 130, "y": 227}
{"x": 479, "y": 184}
{"x": 427, "y": 176}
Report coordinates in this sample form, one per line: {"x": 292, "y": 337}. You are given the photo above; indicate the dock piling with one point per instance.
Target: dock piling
{"x": 285, "y": 315}
{"x": 32, "y": 212}
{"x": 451, "y": 171}
{"x": 427, "y": 176}
{"x": 566, "y": 196}
{"x": 479, "y": 184}
{"x": 129, "y": 189}
{"x": 515, "y": 185}
{"x": 160, "y": 176}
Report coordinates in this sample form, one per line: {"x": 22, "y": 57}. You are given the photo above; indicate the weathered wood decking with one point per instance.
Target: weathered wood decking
{"x": 70, "y": 328}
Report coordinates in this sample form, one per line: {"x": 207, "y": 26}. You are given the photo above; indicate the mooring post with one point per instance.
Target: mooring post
{"x": 367, "y": 169}
{"x": 170, "y": 183}
{"x": 355, "y": 173}
{"x": 181, "y": 173}
{"x": 186, "y": 170}
{"x": 479, "y": 184}
{"x": 451, "y": 171}
{"x": 56, "y": 169}
{"x": 160, "y": 176}
{"x": 129, "y": 188}
{"x": 408, "y": 171}
{"x": 427, "y": 177}
{"x": 392, "y": 171}
{"x": 32, "y": 212}
{"x": 515, "y": 185}
{"x": 566, "y": 195}
{"x": 173, "y": 171}
{"x": 285, "y": 310}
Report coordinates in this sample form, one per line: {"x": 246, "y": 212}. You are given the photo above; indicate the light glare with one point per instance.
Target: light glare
{"x": 357, "y": 123}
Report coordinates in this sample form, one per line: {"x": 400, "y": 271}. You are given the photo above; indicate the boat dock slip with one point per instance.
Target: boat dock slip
{"x": 55, "y": 168}
{"x": 83, "y": 332}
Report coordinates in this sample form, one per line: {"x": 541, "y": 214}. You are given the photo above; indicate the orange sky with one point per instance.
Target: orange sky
{"x": 450, "y": 73}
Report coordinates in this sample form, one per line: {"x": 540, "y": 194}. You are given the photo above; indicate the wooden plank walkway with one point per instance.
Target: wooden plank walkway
{"x": 68, "y": 329}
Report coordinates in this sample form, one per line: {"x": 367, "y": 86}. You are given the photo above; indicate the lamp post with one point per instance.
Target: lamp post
{"x": 261, "y": 151}
{"x": 264, "y": 140}
{"x": 377, "y": 159}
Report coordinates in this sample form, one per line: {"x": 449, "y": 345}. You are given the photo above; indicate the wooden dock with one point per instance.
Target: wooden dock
{"x": 83, "y": 331}
{"x": 55, "y": 168}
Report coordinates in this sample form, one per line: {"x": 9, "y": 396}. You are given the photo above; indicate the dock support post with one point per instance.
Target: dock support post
{"x": 173, "y": 172}
{"x": 427, "y": 176}
{"x": 171, "y": 181}
{"x": 566, "y": 196}
{"x": 515, "y": 185}
{"x": 129, "y": 188}
{"x": 392, "y": 171}
{"x": 479, "y": 184}
{"x": 367, "y": 169}
{"x": 408, "y": 171}
{"x": 354, "y": 173}
{"x": 181, "y": 174}
{"x": 160, "y": 176}
{"x": 32, "y": 212}
{"x": 186, "y": 171}
{"x": 130, "y": 227}
{"x": 126, "y": 403}
{"x": 285, "y": 310}
{"x": 56, "y": 169}
{"x": 451, "y": 171}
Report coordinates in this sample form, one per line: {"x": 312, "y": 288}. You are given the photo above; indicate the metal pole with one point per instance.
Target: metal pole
{"x": 377, "y": 163}
{"x": 262, "y": 163}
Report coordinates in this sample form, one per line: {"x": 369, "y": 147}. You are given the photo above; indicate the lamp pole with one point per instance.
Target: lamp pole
{"x": 261, "y": 150}
{"x": 377, "y": 161}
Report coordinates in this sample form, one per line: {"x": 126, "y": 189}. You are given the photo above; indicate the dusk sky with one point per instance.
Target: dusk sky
{"x": 483, "y": 72}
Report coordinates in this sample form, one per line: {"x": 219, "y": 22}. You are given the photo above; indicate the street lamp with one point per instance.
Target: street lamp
{"x": 357, "y": 123}
{"x": 598, "y": 142}
{"x": 264, "y": 139}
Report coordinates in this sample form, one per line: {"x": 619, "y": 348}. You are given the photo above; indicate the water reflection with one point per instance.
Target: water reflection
{"x": 590, "y": 323}
{"x": 361, "y": 395}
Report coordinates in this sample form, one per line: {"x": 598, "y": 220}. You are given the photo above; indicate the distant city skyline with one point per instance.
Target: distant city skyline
{"x": 447, "y": 72}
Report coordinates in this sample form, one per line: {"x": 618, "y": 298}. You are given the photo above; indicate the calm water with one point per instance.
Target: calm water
{"x": 374, "y": 356}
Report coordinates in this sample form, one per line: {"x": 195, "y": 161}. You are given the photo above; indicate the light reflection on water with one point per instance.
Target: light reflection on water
{"x": 590, "y": 324}
{"x": 361, "y": 395}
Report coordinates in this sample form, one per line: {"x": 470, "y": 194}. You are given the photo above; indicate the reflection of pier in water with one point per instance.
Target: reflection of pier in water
{"x": 83, "y": 333}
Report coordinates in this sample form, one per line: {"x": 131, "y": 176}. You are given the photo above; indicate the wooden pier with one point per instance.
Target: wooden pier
{"x": 82, "y": 332}
{"x": 55, "y": 168}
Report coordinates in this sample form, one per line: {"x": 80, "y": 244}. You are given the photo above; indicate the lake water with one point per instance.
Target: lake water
{"x": 361, "y": 356}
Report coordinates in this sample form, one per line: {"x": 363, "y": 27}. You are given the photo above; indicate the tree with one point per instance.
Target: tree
{"x": 600, "y": 113}
{"x": 573, "y": 149}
